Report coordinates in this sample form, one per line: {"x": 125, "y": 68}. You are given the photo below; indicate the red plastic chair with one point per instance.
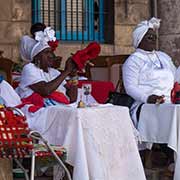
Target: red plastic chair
{"x": 16, "y": 141}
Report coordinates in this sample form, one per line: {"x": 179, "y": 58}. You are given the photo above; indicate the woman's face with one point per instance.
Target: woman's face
{"x": 46, "y": 58}
{"x": 148, "y": 43}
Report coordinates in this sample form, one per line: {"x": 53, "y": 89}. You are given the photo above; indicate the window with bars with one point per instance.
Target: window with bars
{"x": 73, "y": 20}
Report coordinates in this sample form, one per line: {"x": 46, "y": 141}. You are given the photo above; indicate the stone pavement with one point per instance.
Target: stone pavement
{"x": 151, "y": 174}
{"x": 155, "y": 163}
{"x": 157, "y": 174}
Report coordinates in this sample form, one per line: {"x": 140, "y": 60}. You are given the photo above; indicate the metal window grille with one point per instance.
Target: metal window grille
{"x": 73, "y": 20}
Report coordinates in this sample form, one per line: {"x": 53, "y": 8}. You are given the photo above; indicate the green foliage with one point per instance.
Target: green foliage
{"x": 17, "y": 67}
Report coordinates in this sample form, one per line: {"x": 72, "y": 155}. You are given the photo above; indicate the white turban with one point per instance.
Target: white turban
{"x": 43, "y": 37}
{"x": 26, "y": 45}
{"x": 142, "y": 28}
{"x": 39, "y": 46}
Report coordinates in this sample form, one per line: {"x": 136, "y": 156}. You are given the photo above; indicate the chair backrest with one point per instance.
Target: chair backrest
{"x": 14, "y": 140}
{"x": 6, "y": 66}
{"x": 107, "y": 62}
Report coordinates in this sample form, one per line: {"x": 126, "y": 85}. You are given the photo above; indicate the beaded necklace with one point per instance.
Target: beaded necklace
{"x": 161, "y": 66}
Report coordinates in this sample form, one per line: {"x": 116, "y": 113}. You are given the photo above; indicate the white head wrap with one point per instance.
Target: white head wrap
{"x": 43, "y": 37}
{"x": 48, "y": 34}
{"x": 142, "y": 28}
{"x": 26, "y": 45}
{"x": 39, "y": 46}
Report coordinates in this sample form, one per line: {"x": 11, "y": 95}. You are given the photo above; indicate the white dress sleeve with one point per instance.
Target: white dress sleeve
{"x": 177, "y": 75}
{"x": 9, "y": 95}
{"x": 30, "y": 75}
{"x": 131, "y": 73}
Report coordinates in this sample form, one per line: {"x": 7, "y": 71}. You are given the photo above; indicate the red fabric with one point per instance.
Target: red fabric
{"x": 93, "y": 49}
{"x": 53, "y": 44}
{"x": 37, "y": 101}
{"x": 175, "y": 90}
{"x": 16, "y": 76}
{"x": 59, "y": 97}
{"x": 100, "y": 89}
{"x": 90, "y": 52}
{"x": 15, "y": 84}
{"x": 33, "y": 109}
{"x": 34, "y": 99}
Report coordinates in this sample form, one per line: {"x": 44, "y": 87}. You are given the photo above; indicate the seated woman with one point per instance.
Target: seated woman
{"x": 148, "y": 75}
{"x": 41, "y": 68}
{"x": 39, "y": 79}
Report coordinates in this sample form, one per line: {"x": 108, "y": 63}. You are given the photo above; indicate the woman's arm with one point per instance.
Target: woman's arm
{"x": 46, "y": 88}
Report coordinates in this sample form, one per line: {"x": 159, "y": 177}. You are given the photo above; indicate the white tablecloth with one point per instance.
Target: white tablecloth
{"x": 161, "y": 124}
{"x": 99, "y": 140}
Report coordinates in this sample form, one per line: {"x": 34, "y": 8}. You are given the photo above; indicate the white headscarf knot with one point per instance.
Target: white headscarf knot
{"x": 47, "y": 35}
{"x": 142, "y": 28}
{"x": 39, "y": 46}
{"x": 43, "y": 37}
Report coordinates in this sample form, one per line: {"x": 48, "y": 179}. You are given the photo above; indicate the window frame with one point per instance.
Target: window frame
{"x": 87, "y": 34}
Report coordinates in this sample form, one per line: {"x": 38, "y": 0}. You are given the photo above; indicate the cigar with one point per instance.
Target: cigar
{"x": 160, "y": 100}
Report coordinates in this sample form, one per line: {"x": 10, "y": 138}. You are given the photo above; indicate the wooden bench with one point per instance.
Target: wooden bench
{"x": 6, "y": 66}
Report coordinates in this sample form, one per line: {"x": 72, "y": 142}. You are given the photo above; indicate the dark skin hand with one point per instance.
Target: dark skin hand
{"x": 45, "y": 88}
{"x": 56, "y": 62}
{"x": 71, "y": 92}
{"x": 154, "y": 99}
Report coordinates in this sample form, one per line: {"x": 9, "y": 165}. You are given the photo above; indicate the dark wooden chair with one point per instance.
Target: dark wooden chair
{"x": 6, "y": 66}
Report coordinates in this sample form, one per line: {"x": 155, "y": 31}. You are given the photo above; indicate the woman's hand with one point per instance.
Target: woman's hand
{"x": 70, "y": 66}
{"x": 57, "y": 62}
{"x": 154, "y": 99}
{"x": 71, "y": 92}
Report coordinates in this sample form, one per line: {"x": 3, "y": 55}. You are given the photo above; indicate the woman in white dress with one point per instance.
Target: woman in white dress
{"x": 148, "y": 75}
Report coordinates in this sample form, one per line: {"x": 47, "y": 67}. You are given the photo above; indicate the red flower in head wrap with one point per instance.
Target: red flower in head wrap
{"x": 53, "y": 44}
